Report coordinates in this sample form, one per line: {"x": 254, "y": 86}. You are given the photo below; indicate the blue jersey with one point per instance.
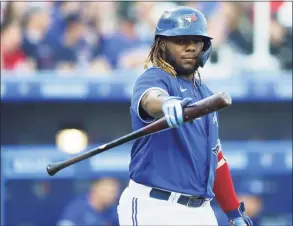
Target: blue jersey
{"x": 180, "y": 159}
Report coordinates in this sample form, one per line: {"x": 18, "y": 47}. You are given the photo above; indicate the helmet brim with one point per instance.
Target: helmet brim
{"x": 181, "y": 32}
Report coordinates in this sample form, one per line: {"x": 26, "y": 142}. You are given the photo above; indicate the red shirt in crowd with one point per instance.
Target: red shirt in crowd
{"x": 11, "y": 60}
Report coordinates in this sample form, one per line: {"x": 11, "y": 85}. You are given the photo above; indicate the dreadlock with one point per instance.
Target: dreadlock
{"x": 155, "y": 57}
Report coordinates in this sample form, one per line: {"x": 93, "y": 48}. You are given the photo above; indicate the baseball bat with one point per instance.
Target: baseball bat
{"x": 203, "y": 107}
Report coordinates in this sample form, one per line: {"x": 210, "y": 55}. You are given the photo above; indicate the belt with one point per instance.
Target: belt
{"x": 189, "y": 201}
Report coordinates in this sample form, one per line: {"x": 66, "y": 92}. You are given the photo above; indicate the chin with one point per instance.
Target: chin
{"x": 189, "y": 67}
{"x": 187, "y": 70}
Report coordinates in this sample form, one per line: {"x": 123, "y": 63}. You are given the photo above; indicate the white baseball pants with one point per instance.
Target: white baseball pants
{"x": 136, "y": 207}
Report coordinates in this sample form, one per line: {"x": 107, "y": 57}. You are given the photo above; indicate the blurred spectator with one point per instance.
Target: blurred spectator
{"x": 281, "y": 33}
{"x": 232, "y": 23}
{"x": 91, "y": 53}
{"x": 14, "y": 11}
{"x": 12, "y": 56}
{"x": 98, "y": 207}
{"x": 60, "y": 11}
{"x": 125, "y": 48}
{"x": 98, "y": 61}
{"x": 36, "y": 23}
{"x": 111, "y": 35}
{"x": 66, "y": 49}
{"x": 229, "y": 22}
{"x": 108, "y": 17}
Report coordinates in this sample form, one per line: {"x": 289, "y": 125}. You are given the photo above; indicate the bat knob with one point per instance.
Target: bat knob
{"x": 51, "y": 170}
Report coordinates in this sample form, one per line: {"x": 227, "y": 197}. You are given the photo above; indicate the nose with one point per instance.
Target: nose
{"x": 194, "y": 45}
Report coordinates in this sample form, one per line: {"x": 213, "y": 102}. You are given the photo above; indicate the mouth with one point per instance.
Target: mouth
{"x": 189, "y": 58}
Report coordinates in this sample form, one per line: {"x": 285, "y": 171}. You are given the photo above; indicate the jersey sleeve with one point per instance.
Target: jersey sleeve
{"x": 152, "y": 79}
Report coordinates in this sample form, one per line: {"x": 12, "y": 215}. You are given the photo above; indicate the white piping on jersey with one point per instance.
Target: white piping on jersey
{"x": 221, "y": 163}
{"x": 138, "y": 104}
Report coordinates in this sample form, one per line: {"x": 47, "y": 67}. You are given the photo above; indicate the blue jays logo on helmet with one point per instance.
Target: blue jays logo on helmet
{"x": 189, "y": 18}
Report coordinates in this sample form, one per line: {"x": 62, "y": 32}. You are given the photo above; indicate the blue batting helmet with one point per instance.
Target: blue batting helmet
{"x": 182, "y": 21}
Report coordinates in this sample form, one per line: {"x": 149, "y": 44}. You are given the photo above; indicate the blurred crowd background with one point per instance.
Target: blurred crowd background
{"x": 67, "y": 73}
{"x": 102, "y": 36}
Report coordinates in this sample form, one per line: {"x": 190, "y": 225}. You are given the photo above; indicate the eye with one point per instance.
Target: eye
{"x": 181, "y": 41}
{"x": 197, "y": 41}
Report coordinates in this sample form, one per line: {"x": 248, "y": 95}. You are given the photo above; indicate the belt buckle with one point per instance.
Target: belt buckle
{"x": 190, "y": 200}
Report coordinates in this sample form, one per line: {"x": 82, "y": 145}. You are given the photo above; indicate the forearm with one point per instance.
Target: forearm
{"x": 152, "y": 103}
{"x": 223, "y": 187}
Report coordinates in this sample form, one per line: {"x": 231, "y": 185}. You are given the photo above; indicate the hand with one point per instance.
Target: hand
{"x": 238, "y": 218}
{"x": 173, "y": 110}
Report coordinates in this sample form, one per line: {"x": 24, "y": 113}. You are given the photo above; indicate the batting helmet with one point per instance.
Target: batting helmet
{"x": 184, "y": 20}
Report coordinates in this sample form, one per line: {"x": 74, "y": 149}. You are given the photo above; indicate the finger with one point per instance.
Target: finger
{"x": 179, "y": 113}
{"x": 168, "y": 120}
{"x": 172, "y": 116}
{"x": 167, "y": 117}
{"x": 185, "y": 102}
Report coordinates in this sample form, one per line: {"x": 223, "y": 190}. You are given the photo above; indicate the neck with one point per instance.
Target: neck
{"x": 188, "y": 77}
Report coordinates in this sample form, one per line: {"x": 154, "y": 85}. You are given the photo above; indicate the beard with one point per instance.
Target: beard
{"x": 180, "y": 70}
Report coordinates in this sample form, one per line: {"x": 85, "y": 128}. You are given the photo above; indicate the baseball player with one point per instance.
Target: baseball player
{"x": 175, "y": 174}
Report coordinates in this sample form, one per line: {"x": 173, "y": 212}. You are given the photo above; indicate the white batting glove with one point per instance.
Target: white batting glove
{"x": 173, "y": 110}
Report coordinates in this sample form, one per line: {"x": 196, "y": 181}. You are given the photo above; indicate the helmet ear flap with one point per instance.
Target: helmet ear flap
{"x": 205, "y": 54}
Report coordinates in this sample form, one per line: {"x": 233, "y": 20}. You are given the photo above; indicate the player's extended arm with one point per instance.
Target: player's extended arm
{"x": 152, "y": 102}
{"x": 226, "y": 196}
{"x": 157, "y": 104}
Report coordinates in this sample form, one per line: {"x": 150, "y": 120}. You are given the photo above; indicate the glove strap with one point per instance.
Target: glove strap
{"x": 236, "y": 213}
{"x": 172, "y": 98}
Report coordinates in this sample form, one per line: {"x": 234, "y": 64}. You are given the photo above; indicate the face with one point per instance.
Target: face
{"x": 12, "y": 37}
{"x": 43, "y": 19}
{"x": 182, "y": 52}
{"x": 77, "y": 31}
{"x": 106, "y": 191}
